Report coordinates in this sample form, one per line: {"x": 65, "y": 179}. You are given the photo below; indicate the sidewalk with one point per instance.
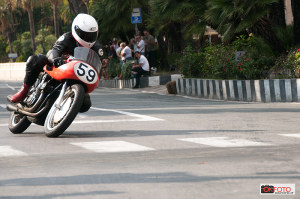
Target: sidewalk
{"x": 160, "y": 89}
{"x": 144, "y": 81}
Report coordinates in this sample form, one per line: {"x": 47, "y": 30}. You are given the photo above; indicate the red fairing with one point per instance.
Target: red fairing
{"x": 77, "y": 70}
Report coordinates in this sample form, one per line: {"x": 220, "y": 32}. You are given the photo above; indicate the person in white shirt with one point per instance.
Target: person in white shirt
{"x": 140, "y": 44}
{"x": 125, "y": 52}
{"x": 126, "y": 55}
{"x": 141, "y": 68}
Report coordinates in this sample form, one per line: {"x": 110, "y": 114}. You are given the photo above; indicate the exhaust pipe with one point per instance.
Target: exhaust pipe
{"x": 11, "y": 107}
{"x": 14, "y": 108}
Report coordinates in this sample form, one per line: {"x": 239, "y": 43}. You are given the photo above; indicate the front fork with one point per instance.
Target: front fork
{"x": 60, "y": 97}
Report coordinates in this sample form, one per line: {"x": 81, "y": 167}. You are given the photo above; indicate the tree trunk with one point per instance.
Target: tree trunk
{"x": 77, "y": 6}
{"x": 176, "y": 38}
{"x": 296, "y": 14}
{"x": 32, "y": 28}
{"x": 164, "y": 52}
{"x": 277, "y": 14}
{"x": 264, "y": 29}
{"x": 8, "y": 35}
{"x": 55, "y": 19}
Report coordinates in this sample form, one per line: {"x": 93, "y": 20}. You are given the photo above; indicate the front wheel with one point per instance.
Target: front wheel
{"x": 59, "y": 119}
{"x": 18, "y": 123}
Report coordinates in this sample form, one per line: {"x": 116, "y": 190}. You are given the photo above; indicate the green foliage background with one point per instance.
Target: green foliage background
{"x": 174, "y": 23}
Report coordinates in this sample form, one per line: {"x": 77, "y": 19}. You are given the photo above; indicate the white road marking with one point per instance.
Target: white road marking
{"x": 6, "y": 151}
{"x": 291, "y": 135}
{"x": 111, "y": 146}
{"x": 82, "y": 115}
{"x": 12, "y": 88}
{"x": 3, "y": 106}
{"x": 138, "y": 118}
{"x": 224, "y": 142}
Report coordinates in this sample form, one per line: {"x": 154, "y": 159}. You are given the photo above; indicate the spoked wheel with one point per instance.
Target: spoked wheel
{"x": 18, "y": 123}
{"x": 61, "y": 116}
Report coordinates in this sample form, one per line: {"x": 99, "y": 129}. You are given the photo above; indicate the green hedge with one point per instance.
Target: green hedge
{"x": 218, "y": 61}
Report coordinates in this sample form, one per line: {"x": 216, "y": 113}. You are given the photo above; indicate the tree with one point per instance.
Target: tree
{"x": 28, "y": 6}
{"x": 177, "y": 19}
{"x": 296, "y": 14}
{"x": 7, "y": 21}
{"x": 4, "y": 25}
{"x": 77, "y": 6}
{"x": 114, "y": 17}
{"x": 232, "y": 17}
{"x": 174, "y": 22}
{"x": 55, "y": 4}
{"x": 277, "y": 13}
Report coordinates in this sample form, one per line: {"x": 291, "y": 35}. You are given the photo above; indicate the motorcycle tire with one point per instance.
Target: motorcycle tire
{"x": 18, "y": 123}
{"x": 86, "y": 105}
{"x": 58, "y": 120}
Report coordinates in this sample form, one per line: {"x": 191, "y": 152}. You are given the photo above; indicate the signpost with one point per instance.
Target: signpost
{"x": 13, "y": 56}
{"x": 136, "y": 17}
{"x": 239, "y": 55}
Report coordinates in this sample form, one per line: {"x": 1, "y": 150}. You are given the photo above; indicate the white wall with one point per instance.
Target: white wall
{"x": 12, "y": 71}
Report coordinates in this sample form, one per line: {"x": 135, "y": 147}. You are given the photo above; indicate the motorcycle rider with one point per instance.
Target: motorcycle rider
{"x": 84, "y": 34}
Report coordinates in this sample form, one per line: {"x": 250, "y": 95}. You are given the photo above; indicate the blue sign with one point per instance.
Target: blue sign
{"x": 136, "y": 16}
{"x": 136, "y": 19}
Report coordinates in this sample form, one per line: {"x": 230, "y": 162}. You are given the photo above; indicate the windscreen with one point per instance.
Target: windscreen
{"x": 88, "y": 56}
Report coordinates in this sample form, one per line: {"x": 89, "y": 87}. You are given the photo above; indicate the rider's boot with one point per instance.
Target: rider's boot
{"x": 34, "y": 66}
{"x": 21, "y": 94}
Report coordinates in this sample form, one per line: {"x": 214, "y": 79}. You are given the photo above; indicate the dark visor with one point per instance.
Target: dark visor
{"x": 86, "y": 36}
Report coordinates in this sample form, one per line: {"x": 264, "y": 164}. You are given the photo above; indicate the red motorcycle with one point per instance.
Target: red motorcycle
{"x": 58, "y": 94}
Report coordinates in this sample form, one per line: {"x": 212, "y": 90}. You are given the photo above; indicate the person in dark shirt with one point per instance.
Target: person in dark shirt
{"x": 112, "y": 53}
{"x": 84, "y": 34}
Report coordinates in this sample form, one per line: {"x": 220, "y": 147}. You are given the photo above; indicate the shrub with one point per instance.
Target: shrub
{"x": 114, "y": 68}
{"x": 287, "y": 66}
{"x": 126, "y": 72}
{"x": 219, "y": 62}
{"x": 219, "y": 59}
{"x": 191, "y": 63}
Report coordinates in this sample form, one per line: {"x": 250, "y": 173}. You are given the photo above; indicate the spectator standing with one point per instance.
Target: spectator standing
{"x": 140, "y": 45}
{"x": 132, "y": 46}
{"x": 105, "y": 63}
{"x": 115, "y": 43}
{"x": 125, "y": 52}
{"x": 125, "y": 56}
{"x": 151, "y": 45}
{"x": 118, "y": 53}
{"x": 141, "y": 68}
{"x": 112, "y": 53}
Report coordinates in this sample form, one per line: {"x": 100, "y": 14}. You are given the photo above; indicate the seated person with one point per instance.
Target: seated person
{"x": 141, "y": 68}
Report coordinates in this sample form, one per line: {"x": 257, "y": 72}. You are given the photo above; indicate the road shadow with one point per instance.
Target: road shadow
{"x": 75, "y": 194}
{"x": 142, "y": 133}
{"x": 133, "y": 178}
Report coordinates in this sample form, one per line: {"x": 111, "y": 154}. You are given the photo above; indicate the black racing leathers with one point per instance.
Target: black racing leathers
{"x": 65, "y": 45}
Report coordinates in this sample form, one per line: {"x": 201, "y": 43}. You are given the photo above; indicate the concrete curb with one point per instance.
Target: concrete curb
{"x": 145, "y": 81}
{"x": 274, "y": 90}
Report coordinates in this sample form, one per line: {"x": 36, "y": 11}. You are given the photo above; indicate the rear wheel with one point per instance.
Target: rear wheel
{"x": 18, "y": 123}
{"x": 59, "y": 119}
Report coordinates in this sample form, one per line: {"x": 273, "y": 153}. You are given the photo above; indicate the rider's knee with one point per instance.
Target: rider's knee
{"x": 36, "y": 62}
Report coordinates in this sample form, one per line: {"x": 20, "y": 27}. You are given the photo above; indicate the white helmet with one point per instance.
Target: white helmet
{"x": 85, "y": 30}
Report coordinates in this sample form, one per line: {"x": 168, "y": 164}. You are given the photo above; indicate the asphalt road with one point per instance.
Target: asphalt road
{"x": 136, "y": 144}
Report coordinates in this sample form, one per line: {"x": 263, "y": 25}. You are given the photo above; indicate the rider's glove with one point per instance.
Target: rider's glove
{"x": 58, "y": 62}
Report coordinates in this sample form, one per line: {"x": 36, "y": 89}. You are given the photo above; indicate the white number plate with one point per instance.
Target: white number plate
{"x": 85, "y": 73}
